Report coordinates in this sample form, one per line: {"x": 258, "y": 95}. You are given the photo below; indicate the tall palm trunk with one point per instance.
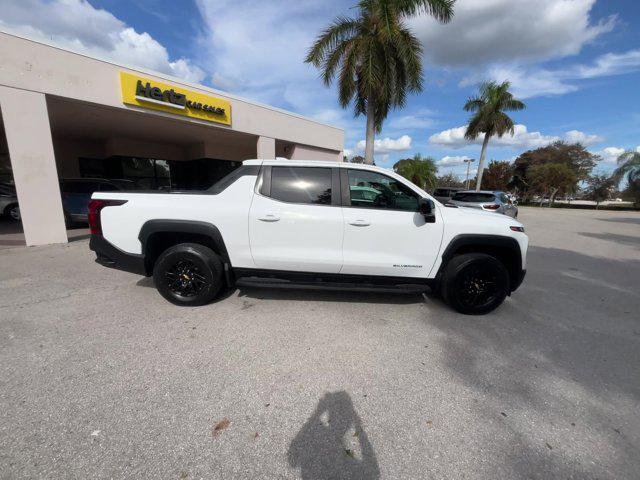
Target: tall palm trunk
{"x": 371, "y": 134}
{"x": 483, "y": 154}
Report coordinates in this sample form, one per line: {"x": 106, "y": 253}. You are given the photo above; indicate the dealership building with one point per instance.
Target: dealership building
{"x": 66, "y": 115}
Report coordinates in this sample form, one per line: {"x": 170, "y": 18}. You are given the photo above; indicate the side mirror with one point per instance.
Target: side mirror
{"x": 427, "y": 210}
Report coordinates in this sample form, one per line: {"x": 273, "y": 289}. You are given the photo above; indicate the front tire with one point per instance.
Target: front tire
{"x": 188, "y": 274}
{"x": 475, "y": 283}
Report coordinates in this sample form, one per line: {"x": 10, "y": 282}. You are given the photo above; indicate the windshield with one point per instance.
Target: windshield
{"x": 473, "y": 197}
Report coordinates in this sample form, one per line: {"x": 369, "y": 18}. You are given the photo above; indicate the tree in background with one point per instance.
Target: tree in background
{"x": 357, "y": 159}
{"x": 575, "y": 156}
{"x": 419, "y": 170}
{"x": 449, "y": 180}
{"x": 599, "y": 188}
{"x": 629, "y": 169}
{"x": 489, "y": 117}
{"x": 376, "y": 57}
{"x": 497, "y": 176}
{"x": 632, "y": 193}
{"x": 549, "y": 179}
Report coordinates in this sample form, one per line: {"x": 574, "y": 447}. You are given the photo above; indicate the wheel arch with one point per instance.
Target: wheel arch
{"x": 506, "y": 249}
{"x": 157, "y": 235}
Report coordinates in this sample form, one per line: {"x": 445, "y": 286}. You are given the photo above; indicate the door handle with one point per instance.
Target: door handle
{"x": 360, "y": 223}
{"x": 269, "y": 217}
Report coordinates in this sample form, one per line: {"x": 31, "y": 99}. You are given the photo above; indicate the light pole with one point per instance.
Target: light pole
{"x": 468, "y": 161}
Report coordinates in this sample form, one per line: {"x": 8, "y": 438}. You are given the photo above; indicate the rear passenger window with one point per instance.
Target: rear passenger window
{"x": 301, "y": 185}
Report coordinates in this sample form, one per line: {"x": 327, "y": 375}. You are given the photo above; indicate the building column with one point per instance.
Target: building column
{"x": 266, "y": 148}
{"x": 26, "y": 124}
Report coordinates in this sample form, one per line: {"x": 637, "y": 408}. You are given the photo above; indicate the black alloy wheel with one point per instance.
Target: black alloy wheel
{"x": 477, "y": 287}
{"x": 188, "y": 274}
{"x": 475, "y": 283}
{"x": 185, "y": 279}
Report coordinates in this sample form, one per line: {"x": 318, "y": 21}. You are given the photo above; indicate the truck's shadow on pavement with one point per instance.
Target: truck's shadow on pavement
{"x": 349, "y": 296}
{"x": 628, "y": 240}
{"x": 565, "y": 352}
{"x": 333, "y": 444}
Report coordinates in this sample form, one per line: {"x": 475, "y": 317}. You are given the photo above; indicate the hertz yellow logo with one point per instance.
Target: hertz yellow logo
{"x": 147, "y": 93}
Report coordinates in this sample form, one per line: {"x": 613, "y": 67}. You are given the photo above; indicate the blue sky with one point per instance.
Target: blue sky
{"x": 575, "y": 63}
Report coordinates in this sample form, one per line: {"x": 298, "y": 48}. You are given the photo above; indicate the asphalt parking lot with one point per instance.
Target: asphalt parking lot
{"x": 102, "y": 378}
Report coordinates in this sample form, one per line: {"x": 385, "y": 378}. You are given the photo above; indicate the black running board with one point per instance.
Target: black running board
{"x": 317, "y": 281}
{"x": 354, "y": 287}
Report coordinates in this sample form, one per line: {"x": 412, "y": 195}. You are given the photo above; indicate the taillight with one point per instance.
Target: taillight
{"x": 95, "y": 206}
{"x": 491, "y": 206}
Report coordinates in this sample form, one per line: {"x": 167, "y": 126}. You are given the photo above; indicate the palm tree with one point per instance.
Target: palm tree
{"x": 489, "y": 117}
{"x": 419, "y": 170}
{"x": 376, "y": 58}
{"x": 629, "y": 167}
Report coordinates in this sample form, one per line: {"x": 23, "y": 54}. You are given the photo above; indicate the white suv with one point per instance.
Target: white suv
{"x": 311, "y": 224}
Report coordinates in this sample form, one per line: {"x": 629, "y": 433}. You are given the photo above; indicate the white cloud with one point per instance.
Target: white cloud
{"x": 576, "y": 136}
{"x": 387, "y": 145}
{"x": 521, "y": 138}
{"x": 223, "y": 83}
{"x": 414, "y": 120}
{"x": 454, "y": 138}
{"x": 490, "y": 31}
{"x": 453, "y": 161}
{"x": 611, "y": 154}
{"x": 529, "y": 82}
{"x": 331, "y": 116}
{"x": 77, "y": 25}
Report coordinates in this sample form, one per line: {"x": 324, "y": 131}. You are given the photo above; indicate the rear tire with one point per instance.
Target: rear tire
{"x": 13, "y": 212}
{"x": 188, "y": 274}
{"x": 475, "y": 283}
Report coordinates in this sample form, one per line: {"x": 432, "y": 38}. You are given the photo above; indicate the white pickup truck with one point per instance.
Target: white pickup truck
{"x": 310, "y": 224}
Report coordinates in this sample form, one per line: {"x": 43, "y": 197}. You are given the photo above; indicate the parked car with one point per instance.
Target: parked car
{"x": 444, "y": 194}
{"x": 489, "y": 201}
{"x": 76, "y": 193}
{"x": 309, "y": 224}
{"x": 9, "y": 202}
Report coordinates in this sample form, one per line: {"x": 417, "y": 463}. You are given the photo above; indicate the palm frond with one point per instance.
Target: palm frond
{"x": 341, "y": 29}
{"x": 331, "y": 62}
{"x": 474, "y": 129}
{"x": 441, "y": 10}
{"x": 474, "y": 104}
{"x": 513, "y": 104}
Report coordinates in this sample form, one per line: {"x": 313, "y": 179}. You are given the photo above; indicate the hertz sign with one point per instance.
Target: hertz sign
{"x": 147, "y": 93}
